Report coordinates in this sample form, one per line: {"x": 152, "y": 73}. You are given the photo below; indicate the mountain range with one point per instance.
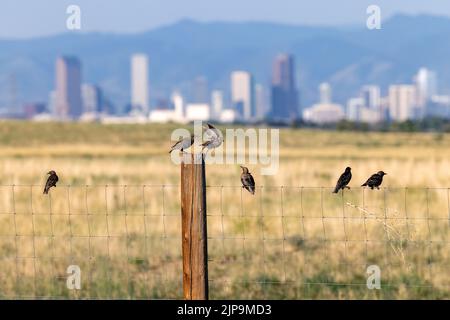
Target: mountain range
{"x": 347, "y": 57}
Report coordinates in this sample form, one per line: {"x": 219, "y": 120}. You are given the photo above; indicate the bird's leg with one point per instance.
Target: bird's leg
{"x": 378, "y": 188}
{"x": 347, "y": 187}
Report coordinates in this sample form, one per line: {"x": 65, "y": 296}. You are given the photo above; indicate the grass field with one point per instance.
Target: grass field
{"x": 115, "y": 213}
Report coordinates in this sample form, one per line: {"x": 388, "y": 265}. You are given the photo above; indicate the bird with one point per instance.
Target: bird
{"x": 375, "y": 180}
{"x": 247, "y": 180}
{"x": 343, "y": 180}
{"x": 51, "y": 181}
{"x": 183, "y": 144}
{"x": 215, "y": 137}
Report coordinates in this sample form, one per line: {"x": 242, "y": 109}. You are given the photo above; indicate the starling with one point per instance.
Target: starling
{"x": 344, "y": 179}
{"x": 375, "y": 180}
{"x": 51, "y": 181}
{"x": 214, "y": 135}
{"x": 247, "y": 180}
{"x": 183, "y": 144}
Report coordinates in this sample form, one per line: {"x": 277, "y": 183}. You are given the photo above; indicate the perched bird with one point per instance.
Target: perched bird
{"x": 214, "y": 137}
{"x": 51, "y": 181}
{"x": 247, "y": 180}
{"x": 375, "y": 180}
{"x": 183, "y": 144}
{"x": 343, "y": 180}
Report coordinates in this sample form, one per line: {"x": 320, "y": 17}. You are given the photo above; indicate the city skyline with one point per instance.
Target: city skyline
{"x": 409, "y": 101}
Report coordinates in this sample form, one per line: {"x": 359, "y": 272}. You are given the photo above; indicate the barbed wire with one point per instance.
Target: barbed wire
{"x": 284, "y": 242}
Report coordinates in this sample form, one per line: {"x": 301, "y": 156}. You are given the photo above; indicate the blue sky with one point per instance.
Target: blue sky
{"x": 30, "y": 18}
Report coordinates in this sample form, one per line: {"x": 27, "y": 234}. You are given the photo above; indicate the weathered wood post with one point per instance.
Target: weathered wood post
{"x": 194, "y": 236}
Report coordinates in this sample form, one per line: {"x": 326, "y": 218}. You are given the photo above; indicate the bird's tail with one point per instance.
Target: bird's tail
{"x": 45, "y": 190}
{"x": 364, "y": 185}
{"x": 336, "y": 190}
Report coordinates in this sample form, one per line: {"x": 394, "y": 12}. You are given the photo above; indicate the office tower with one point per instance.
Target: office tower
{"x": 260, "y": 102}
{"x": 217, "y": 104}
{"x": 92, "y": 98}
{"x": 284, "y": 92}
{"x": 426, "y": 83}
{"x": 325, "y": 93}
{"x": 371, "y": 96}
{"x": 178, "y": 104}
{"x": 354, "y": 106}
{"x": 402, "y": 102}
{"x": 68, "y": 102}
{"x": 139, "y": 83}
{"x": 200, "y": 91}
{"x": 242, "y": 94}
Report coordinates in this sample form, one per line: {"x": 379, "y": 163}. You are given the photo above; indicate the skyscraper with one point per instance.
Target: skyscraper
{"x": 260, "y": 102}
{"x": 216, "y": 104}
{"x": 371, "y": 96}
{"x": 92, "y": 98}
{"x": 402, "y": 102}
{"x": 242, "y": 94}
{"x": 68, "y": 88}
{"x": 284, "y": 92}
{"x": 426, "y": 83}
{"x": 139, "y": 83}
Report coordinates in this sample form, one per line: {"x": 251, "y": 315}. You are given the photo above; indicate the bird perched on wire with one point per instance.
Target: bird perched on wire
{"x": 247, "y": 180}
{"x": 375, "y": 180}
{"x": 214, "y": 137}
{"x": 51, "y": 181}
{"x": 183, "y": 144}
{"x": 343, "y": 180}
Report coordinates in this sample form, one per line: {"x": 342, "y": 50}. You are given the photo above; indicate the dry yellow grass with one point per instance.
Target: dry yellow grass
{"x": 119, "y": 218}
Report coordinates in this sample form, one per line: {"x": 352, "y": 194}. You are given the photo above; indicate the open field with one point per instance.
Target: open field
{"x": 115, "y": 213}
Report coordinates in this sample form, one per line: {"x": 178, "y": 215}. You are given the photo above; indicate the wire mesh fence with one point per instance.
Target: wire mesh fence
{"x": 281, "y": 243}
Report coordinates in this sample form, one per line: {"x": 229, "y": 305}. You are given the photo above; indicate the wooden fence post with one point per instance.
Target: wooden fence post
{"x": 194, "y": 235}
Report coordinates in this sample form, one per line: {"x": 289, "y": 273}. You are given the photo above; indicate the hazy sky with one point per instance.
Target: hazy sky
{"x": 29, "y": 18}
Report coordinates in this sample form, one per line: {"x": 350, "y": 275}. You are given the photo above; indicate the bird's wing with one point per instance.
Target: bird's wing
{"x": 176, "y": 144}
{"x": 373, "y": 179}
{"x": 247, "y": 180}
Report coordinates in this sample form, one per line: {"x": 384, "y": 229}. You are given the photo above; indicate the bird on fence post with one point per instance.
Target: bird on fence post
{"x": 375, "y": 180}
{"x": 343, "y": 180}
{"x": 183, "y": 144}
{"x": 215, "y": 137}
{"x": 247, "y": 180}
{"x": 51, "y": 181}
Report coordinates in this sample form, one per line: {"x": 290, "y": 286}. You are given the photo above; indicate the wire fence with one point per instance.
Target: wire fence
{"x": 281, "y": 243}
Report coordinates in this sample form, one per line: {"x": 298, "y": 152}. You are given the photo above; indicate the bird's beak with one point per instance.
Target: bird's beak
{"x": 48, "y": 172}
{"x": 385, "y": 173}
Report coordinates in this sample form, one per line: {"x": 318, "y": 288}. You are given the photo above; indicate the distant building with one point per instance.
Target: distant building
{"x": 354, "y": 107}
{"x": 216, "y": 104}
{"x": 426, "y": 85}
{"x": 403, "y": 102}
{"x": 357, "y": 111}
{"x": 261, "y": 105}
{"x": 198, "y": 111}
{"x": 228, "y": 116}
{"x": 92, "y": 98}
{"x": 372, "y": 97}
{"x": 139, "y": 83}
{"x": 325, "y": 93}
{"x": 200, "y": 90}
{"x": 68, "y": 103}
{"x": 242, "y": 94}
{"x": 51, "y": 104}
{"x": 323, "y": 113}
{"x": 284, "y": 92}
{"x": 32, "y": 109}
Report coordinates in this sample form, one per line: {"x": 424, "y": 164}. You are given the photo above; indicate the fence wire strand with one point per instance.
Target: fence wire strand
{"x": 283, "y": 242}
